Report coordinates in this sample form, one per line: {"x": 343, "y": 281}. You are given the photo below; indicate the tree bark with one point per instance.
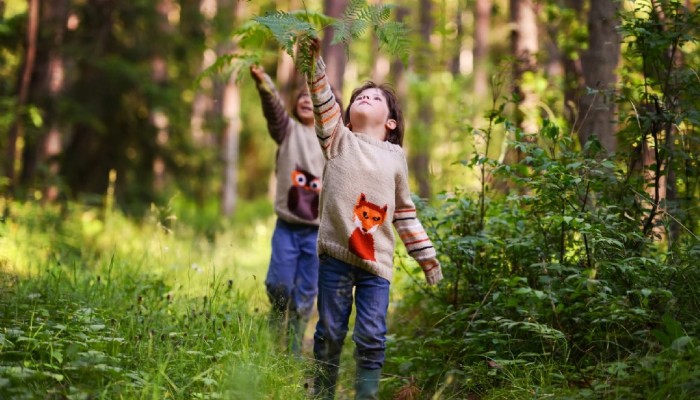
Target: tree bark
{"x": 47, "y": 85}
{"x": 17, "y": 128}
{"x": 482, "y": 26}
{"x": 574, "y": 84}
{"x": 230, "y": 140}
{"x": 597, "y": 112}
{"x": 420, "y": 158}
{"x": 525, "y": 45}
{"x": 334, "y": 55}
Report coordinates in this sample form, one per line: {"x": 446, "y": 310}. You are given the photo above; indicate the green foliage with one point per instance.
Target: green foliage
{"x": 560, "y": 288}
{"x": 96, "y": 307}
{"x": 295, "y": 29}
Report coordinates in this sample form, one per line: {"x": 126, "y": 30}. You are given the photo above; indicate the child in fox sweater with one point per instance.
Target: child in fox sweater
{"x": 292, "y": 277}
{"x": 365, "y": 192}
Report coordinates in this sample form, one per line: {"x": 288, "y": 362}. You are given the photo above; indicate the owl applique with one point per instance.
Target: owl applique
{"x": 302, "y": 199}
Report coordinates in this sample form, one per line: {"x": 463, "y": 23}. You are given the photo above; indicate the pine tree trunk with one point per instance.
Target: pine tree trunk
{"x": 17, "y": 128}
{"x": 230, "y": 140}
{"x": 482, "y": 26}
{"x": 525, "y": 46}
{"x": 334, "y": 55}
{"x": 420, "y": 158}
{"x": 597, "y": 112}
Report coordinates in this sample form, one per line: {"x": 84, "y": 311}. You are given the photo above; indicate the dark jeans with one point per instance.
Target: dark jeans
{"x": 292, "y": 278}
{"x": 335, "y": 298}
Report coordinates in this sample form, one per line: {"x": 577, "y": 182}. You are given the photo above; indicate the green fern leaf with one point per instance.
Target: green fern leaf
{"x": 252, "y": 35}
{"x": 227, "y": 65}
{"x": 350, "y": 26}
{"x": 317, "y": 19}
{"x": 396, "y": 36}
{"x": 285, "y": 28}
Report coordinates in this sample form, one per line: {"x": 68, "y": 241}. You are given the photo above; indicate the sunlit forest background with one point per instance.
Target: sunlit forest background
{"x": 553, "y": 150}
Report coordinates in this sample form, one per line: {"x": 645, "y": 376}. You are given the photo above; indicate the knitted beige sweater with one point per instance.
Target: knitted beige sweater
{"x": 365, "y": 192}
{"x": 299, "y": 160}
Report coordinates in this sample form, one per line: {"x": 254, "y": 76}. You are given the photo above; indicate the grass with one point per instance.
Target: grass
{"x": 95, "y": 305}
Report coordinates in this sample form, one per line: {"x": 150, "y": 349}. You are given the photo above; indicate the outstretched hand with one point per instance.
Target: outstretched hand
{"x": 257, "y": 72}
{"x": 308, "y": 49}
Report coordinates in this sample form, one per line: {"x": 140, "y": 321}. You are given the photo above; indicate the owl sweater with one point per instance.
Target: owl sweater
{"x": 299, "y": 160}
{"x": 365, "y": 192}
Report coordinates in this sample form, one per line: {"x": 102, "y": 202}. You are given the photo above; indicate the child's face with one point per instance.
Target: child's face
{"x": 305, "y": 109}
{"x": 369, "y": 108}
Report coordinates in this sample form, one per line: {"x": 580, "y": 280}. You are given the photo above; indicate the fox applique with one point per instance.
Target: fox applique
{"x": 367, "y": 217}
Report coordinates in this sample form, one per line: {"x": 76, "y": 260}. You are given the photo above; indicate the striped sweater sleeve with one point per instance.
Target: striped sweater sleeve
{"x": 413, "y": 234}
{"x": 327, "y": 112}
{"x": 278, "y": 120}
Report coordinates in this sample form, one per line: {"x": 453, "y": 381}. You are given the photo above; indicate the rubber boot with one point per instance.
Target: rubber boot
{"x": 367, "y": 384}
{"x": 295, "y": 333}
{"x": 324, "y": 381}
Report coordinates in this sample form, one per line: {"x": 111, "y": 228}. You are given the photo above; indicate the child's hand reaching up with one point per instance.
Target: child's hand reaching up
{"x": 257, "y": 72}
{"x": 308, "y": 49}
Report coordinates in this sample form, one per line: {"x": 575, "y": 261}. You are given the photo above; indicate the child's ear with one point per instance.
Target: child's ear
{"x": 390, "y": 124}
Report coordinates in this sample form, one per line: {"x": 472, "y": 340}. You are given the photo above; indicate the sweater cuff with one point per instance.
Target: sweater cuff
{"x": 433, "y": 276}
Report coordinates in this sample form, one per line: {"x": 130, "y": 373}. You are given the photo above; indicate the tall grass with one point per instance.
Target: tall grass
{"x": 95, "y": 305}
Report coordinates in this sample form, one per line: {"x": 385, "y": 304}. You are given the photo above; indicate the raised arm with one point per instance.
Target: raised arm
{"x": 327, "y": 112}
{"x": 278, "y": 119}
{"x": 412, "y": 233}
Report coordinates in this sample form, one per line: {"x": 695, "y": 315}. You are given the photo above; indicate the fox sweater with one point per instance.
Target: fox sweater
{"x": 299, "y": 162}
{"x": 365, "y": 192}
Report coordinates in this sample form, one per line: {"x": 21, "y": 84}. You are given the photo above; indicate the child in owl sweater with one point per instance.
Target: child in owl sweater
{"x": 365, "y": 192}
{"x": 292, "y": 277}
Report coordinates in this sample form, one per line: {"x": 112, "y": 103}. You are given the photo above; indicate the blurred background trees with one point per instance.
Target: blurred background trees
{"x": 90, "y": 87}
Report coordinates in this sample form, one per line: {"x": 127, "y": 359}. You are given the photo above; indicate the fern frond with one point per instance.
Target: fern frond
{"x": 227, "y": 65}
{"x": 376, "y": 14}
{"x": 352, "y": 11}
{"x": 285, "y": 28}
{"x": 315, "y": 18}
{"x": 305, "y": 59}
{"x": 396, "y": 36}
{"x": 252, "y": 35}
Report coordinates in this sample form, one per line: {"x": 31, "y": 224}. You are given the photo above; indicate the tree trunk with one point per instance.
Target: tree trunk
{"x": 482, "y": 22}
{"x": 455, "y": 61}
{"x": 17, "y": 128}
{"x": 420, "y": 159}
{"x": 43, "y": 145}
{"x": 574, "y": 85}
{"x": 334, "y": 55}
{"x": 398, "y": 69}
{"x": 598, "y": 111}
{"x": 159, "y": 74}
{"x": 230, "y": 140}
{"x": 525, "y": 45}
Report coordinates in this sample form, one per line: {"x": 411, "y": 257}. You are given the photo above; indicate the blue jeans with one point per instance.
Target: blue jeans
{"x": 292, "y": 278}
{"x": 335, "y": 298}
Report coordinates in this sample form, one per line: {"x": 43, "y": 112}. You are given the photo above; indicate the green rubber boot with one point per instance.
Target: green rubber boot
{"x": 367, "y": 384}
